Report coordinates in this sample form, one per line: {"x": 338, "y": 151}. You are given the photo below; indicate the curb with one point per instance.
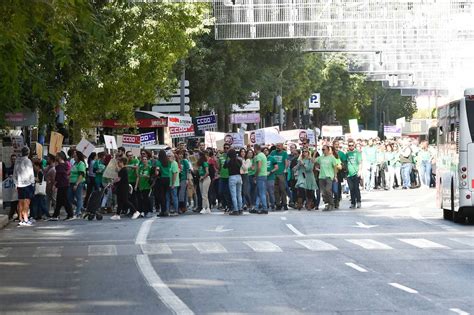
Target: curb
{"x": 3, "y": 221}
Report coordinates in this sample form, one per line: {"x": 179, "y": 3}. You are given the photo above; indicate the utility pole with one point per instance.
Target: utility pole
{"x": 182, "y": 92}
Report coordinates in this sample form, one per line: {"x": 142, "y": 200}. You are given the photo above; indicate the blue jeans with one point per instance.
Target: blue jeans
{"x": 406, "y": 171}
{"x": 224, "y": 193}
{"x": 425, "y": 173}
{"x": 271, "y": 192}
{"x": 235, "y": 187}
{"x": 262, "y": 191}
{"x": 253, "y": 190}
{"x": 172, "y": 196}
{"x": 76, "y": 197}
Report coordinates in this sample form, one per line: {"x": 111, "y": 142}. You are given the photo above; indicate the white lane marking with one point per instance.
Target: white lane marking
{"x": 283, "y": 218}
{"x": 102, "y": 250}
{"x": 403, "y": 288}
{"x": 316, "y": 245}
{"x": 356, "y": 267}
{"x": 466, "y": 241}
{"x": 5, "y": 251}
{"x": 421, "y": 243}
{"x": 143, "y": 232}
{"x": 458, "y": 311}
{"x": 294, "y": 230}
{"x": 48, "y": 251}
{"x": 263, "y": 246}
{"x": 163, "y": 292}
{"x": 156, "y": 249}
{"x": 210, "y": 248}
{"x": 369, "y": 244}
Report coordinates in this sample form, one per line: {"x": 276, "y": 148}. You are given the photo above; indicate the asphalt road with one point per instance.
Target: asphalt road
{"x": 395, "y": 255}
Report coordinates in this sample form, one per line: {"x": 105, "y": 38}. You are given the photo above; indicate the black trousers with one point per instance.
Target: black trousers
{"x": 144, "y": 204}
{"x": 13, "y": 209}
{"x": 62, "y": 200}
{"x": 353, "y": 182}
{"x": 123, "y": 203}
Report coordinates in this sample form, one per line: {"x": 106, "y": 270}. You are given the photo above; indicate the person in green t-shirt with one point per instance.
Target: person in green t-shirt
{"x": 342, "y": 172}
{"x": 184, "y": 171}
{"x": 204, "y": 182}
{"x": 98, "y": 169}
{"x": 143, "y": 186}
{"x": 281, "y": 158}
{"x": 327, "y": 173}
{"x": 224, "y": 191}
{"x": 272, "y": 168}
{"x": 163, "y": 170}
{"x": 132, "y": 168}
{"x": 354, "y": 171}
{"x": 174, "y": 179}
{"x": 261, "y": 180}
{"x": 76, "y": 181}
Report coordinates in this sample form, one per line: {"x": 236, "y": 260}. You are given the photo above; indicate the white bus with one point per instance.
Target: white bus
{"x": 455, "y": 159}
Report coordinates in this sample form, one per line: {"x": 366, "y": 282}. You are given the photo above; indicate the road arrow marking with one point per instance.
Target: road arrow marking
{"x": 364, "y": 226}
{"x": 220, "y": 229}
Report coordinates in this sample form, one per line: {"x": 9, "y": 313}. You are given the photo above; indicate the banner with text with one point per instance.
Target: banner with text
{"x": 331, "y": 131}
{"x": 181, "y": 132}
{"x": 148, "y": 138}
{"x": 236, "y": 140}
{"x": 206, "y": 122}
{"x": 251, "y": 118}
{"x": 180, "y": 121}
{"x": 131, "y": 141}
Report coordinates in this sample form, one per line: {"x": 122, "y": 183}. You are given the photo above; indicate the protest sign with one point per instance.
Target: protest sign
{"x": 55, "y": 142}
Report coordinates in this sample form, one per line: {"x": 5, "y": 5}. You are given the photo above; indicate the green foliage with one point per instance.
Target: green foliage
{"x": 109, "y": 56}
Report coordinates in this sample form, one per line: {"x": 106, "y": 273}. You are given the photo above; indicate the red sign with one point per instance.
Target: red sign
{"x": 181, "y": 132}
{"x": 142, "y": 123}
{"x": 131, "y": 140}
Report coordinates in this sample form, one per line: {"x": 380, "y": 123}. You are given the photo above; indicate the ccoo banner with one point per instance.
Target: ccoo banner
{"x": 206, "y": 122}
{"x": 148, "y": 138}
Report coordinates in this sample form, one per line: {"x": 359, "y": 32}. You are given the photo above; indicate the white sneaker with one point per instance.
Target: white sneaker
{"x": 135, "y": 215}
{"x": 115, "y": 217}
{"x": 28, "y": 223}
{"x": 21, "y": 223}
{"x": 203, "y": 211}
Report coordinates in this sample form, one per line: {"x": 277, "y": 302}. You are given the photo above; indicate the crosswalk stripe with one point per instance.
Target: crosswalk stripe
{"x": 210, "y": 248}
{"x": 102, "y": 250}
{"x": 421, "y": 243}
{"x": 156, "y": 249}
{"x": 5, "y": 251}
{"x": 48, "y": 251}
{"x": 369, "y": 244}
{"x": 316, "y": 245}
{"x": 465, "y": 240}
{"x": 263, "y": 246}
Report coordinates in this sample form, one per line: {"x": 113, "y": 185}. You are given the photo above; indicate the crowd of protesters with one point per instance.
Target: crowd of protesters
{"x": 256, "y": 179}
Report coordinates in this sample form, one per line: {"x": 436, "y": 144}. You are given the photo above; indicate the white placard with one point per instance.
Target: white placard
{"x": 85, "y": 147}
{"x": 332, "y": 131}
{"x": 211, "y": 138}
{"x": 110, "y": 142}
{"x": 236, "y": 140}
{"x": 354, "y": 126}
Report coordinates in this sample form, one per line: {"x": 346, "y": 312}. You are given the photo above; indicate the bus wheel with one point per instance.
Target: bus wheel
{"x": 458, "y": 217}
{"x": 447, "y": 214}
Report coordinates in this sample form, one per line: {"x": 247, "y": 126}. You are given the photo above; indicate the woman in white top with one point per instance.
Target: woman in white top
{"x": 24, "y": 178}
{"x": 244, "y": 171}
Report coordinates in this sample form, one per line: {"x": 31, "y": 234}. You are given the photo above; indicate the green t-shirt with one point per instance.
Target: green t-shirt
{"x": 342, "y": 157}
{"x": 251, "y": 171}
{"x": 144, "y": 174}
{"x": 370, "y": 154}
{"x": 165, "y": 172}
{"x": 270, "y": 166}
{"x": 280, "y": 158}
{"x": 326, "y": 166}
{"x": 99, "y": 168}
{"x": 174, "y": 169}
{"x": 183, "y": 175}
{"x": 424, "y": 155}
{"x": 263, "y": 159}
{"x": 132, "y": 171}
{"x": 354, "y": 158}
{"x": 202, "y": 169}
{"x": 76, "y": 169}
{"x": 224, "y": 172}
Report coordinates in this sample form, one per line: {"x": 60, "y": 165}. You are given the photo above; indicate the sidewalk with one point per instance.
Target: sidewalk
{"x": 3, "y": 220}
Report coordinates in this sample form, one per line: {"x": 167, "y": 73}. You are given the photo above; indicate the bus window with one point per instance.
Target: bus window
{"x": 432, "y": 135}
{"x": 470, "y": 117}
